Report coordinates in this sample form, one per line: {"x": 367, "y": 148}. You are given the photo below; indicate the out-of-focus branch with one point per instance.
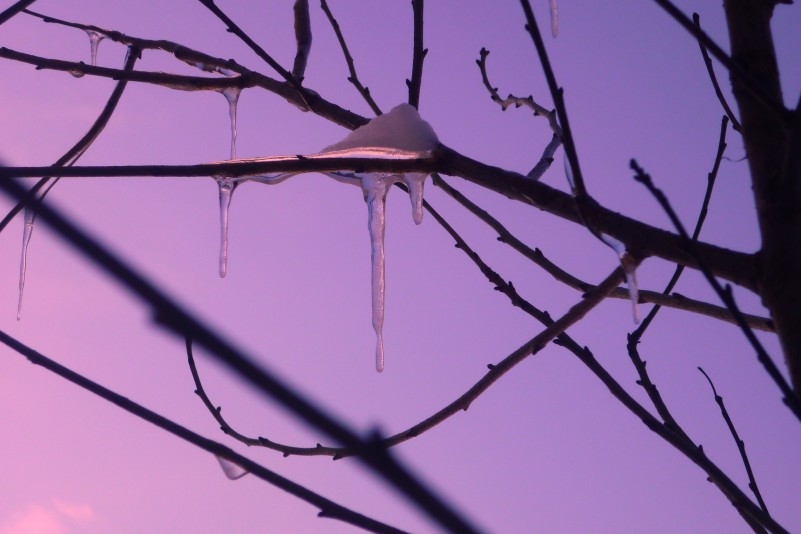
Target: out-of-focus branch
{"x": 327, "y": 507}
{"x": 14, "y": 10}
{"x": 419, "y": 54}
{"x": 353, "y": 78}
{"x": 714, "y": 79}
{"x": 790, "y": 399}
{"x": 172, "y": 317}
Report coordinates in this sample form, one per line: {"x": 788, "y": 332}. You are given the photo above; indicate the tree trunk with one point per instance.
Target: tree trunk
{"x": 774, "y": 156}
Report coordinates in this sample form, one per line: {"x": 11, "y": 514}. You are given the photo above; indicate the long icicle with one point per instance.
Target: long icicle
{"x": 226, "y": 186}
{"x": 375, "y": 191}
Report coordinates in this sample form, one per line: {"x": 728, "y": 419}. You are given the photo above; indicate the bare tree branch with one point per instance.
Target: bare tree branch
{"x": 725, "y": 295}
{"x": 303, "y": 36}
{"x": 714, "y": 79}
{"x": 752, "y": 483}
{"x": 353, "y": 78}
{"x": 10, "y": 12}
{"x": 419, "y": 54}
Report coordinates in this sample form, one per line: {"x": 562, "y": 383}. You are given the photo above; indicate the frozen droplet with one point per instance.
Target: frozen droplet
{"x": 375, "y": 187}
{"x": 94, "y": 42}
{"x": 30, "y": 215}
{"x": 415, "y": 182}
{"x": 231, "y": 94}
{"x": 76, "y": 73}
{"x": 226, "y": 188}
{"x": 630, "y": 270}
{"x": 554, "y": 18}
{"x": 232, "y": 471}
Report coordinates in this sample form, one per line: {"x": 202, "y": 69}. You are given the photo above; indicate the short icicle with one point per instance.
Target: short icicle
{"x": 375, "y": 194}
{"x": 629, "y": 269}
{"x": 554, "y": 18}
{"x": 226, "y": 188}
{"x": 415, "y": 182}
{"x": 94, "y": 42}
{"x": 30, "y": 215}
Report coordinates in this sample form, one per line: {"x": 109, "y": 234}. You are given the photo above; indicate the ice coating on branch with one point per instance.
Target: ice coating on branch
{"x": 94, "y": 42}
{"x": 569, "y": 175}
{"x": 629, "y": 268}
{"x": 226, "y": 188}
{"x": 231, "y": 94}
{"x": 554, "y": 18}
{"x": 232, "y": 471}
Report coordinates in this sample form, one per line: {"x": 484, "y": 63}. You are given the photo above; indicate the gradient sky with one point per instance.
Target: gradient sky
{"x": 547, "y": 448}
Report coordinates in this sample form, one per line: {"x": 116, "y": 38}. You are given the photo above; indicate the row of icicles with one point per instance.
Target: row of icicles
{"x": 399, "y": 134}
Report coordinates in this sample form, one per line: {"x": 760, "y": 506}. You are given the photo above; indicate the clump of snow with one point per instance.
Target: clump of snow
{"x": 401, "y": 129}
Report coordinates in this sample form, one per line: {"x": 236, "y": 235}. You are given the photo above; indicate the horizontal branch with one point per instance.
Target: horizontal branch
{"x": 641, "y": 239}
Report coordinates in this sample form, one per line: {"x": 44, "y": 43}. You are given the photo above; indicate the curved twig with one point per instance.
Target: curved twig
{"x": 327, "y": 508}
{"x": 172, "y": 317}
{"x": 547, "y": 154}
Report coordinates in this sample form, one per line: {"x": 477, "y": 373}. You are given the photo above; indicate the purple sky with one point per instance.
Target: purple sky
{"x": 547, "y": 448}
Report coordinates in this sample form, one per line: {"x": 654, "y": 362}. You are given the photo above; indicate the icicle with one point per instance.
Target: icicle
{"x": 554, "y": 19}
{"x": 375, "y": 187}
{"x": 30, "y": 215}
{"x": 94, "y": 41}
{"x": 231, "y": 94}
{"x": 630, "y": 269}
{"x": 232, "y": 471}
{"x": 415, "y": 182}
{"x": 226, "y": 188}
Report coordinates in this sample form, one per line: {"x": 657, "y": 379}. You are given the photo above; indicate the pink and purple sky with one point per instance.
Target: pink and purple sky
{"x": 547, "y": 448}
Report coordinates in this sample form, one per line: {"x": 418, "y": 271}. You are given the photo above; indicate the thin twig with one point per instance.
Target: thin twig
{"x": 752, "y": 483}
{"x": 714, "y": 79}
{"x": 353, "y": 78}
{"x": 556, "y": 141}
{"x": 327, "y": 507}
{"x": 733, "y": 67}
{"x": 633, "y": 339}
{"x": 725, "y": 294}
{"x": 419, "y": 54}
{"x": 172, "y": 317}
{"x": 577, "y": 182}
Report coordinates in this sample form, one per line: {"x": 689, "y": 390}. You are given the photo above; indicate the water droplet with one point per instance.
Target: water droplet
{"x": 76, "y": 73}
